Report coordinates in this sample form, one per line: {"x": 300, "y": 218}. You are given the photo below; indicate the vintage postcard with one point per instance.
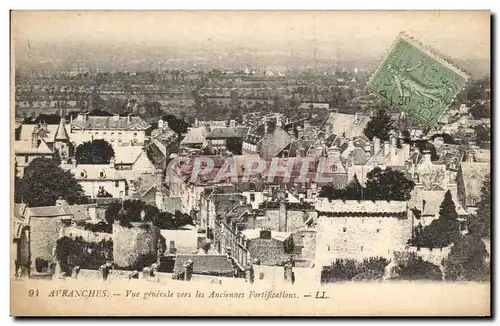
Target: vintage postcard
{"x": 250, "y": 163}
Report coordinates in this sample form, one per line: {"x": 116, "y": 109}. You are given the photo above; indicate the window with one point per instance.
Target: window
{"x": 378, "y": 230}
{"x": 328, "y": 248}
{"x": 252, "y": 197}
{"x": 344, "y": 229}
{"x": 474, "y": 200}
{"x": 135, "y": 134}
{"x": 333, "y": 168}
{"x": 361, "y": 248}
{"x": 117, "y": 184}
{"x": 41, "y": 265}
{"x": 102, "y": 174}
{"x": 26, "y": 159}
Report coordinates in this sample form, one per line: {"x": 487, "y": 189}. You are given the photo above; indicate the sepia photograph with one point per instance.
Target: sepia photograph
{"x": 250, "y": 163}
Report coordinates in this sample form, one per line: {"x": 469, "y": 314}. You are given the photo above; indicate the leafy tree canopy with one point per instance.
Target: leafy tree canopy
{"x": 178, "y": 125}
{"x": 387, "y": 184}
{"x": 379, "y": 126}
{"x": 97, "y": 151}
{"x": 467, "y": 260}
{"x": 44, "y": 182}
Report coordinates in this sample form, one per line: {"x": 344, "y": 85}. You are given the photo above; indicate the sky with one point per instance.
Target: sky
{"x": 334, "y": 34}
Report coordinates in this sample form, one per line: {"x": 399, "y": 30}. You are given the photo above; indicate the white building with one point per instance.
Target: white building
{"x": 94, "y": 177}
{"x": 117, "y": 130}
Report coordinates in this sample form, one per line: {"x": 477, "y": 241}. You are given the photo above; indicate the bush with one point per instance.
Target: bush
{"x": 343, "y": 270}
{"x": 413, "y": 267}
{"x": 78, "y": 252}
{"x": 102, "y": 227}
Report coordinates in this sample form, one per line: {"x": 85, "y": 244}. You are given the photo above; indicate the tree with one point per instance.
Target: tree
{"x": 482, "y": 134}
{"x": 379, "y": 126}
{"x": 415, "y": 268}
{"x": 44, "y": 182}
{"x": 480, "y": 224}
{"x": 443, "y": 231}
{"x": 466, "y": 260}
{"x": 387, "y": 184}
{"x": 352, "y": 191}
{"x": 178, "y": 125}
{"x": 132, "y": 212}
{"x": 97, "y": 151}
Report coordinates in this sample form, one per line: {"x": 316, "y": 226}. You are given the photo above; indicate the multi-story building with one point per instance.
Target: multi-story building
{"x": 117, "y": 130}
{"x": 361, "y": 229}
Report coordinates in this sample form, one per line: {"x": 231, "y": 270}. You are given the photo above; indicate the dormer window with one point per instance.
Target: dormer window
{"x": 102, "y": 174}
{"x": 83, "y": 174}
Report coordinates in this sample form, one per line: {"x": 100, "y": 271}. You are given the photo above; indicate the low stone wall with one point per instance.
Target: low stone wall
{"x": 434, "y": 256}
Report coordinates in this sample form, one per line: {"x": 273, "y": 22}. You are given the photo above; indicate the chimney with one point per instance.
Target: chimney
{"x": 61, "y": 202}
{"x": 188, "y": 270}
{"x": 111, "y": 162}
{"x": 453, "y": 188}
{"x": 265, "y": 126}
{"x": 282, "y": 217}
{"x": 172, "y": 249}
{"x": 427, "y": 156}
{"x": 301, "y": 151}
{"x": 306, "y": 125}
{"x": 195, "y": 122}
{"x": 74, "y": 271}
{"x": 289, "y": 275}
{"x": 249, "y": 274}
{"x": 376, "y": 145}
{"x": 386, "y": 148}
{"x": 34, "y": 139}
{"x": 368, "y": 150}
{"x": 406, "y": 151}
{"x": 350, "y": 160}
{"x": 300, "y": 132}
{"x": 160, "y": 124}
{"x": 146, "y": 272}
{"x": 82, "y": 116}
{"x": 357, "y": 118}
{"x": 129, "y": 117}
{"x": 279, "y": 122}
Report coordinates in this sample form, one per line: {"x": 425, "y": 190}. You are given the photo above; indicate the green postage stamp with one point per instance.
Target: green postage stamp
{"x": 417, "y": 81}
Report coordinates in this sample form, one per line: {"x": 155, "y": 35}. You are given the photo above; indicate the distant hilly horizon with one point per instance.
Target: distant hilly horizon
{"x": 133, "y": 58}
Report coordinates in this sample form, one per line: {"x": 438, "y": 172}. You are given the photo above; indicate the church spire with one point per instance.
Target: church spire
{"x": 61, "y": 133}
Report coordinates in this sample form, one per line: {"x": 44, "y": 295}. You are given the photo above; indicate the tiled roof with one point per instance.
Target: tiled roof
{"x": 127, "y": 154}
{"x": 236, "y": 132}
{"x": 100, "y": 122}
{"x": 80, "y": 212}
{"x": 346, "y": 123}
{"x": 24, "y": 147}
{"x": 274, "y": 143}
{"x": 204, "y": 264}
{"x": 49, "y": 211}
{"x": 433, "y": 200}
{"x": 195, "y": 136}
